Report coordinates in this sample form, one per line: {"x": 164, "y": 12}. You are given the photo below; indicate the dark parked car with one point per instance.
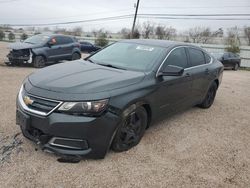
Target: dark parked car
{"x": 88, "y": 47}
{"x": 44, "y": 49}
{"x": 229, "y": 59}
{"x": 109, "y": 99}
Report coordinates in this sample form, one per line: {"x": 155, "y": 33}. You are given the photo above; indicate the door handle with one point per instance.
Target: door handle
{"x": 207, "y": 71}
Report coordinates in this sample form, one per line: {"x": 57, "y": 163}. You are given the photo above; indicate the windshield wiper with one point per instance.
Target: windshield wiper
{"x": 112, "y": 66}
{"x": 29, "y": 42}
{"x": 90, "y": 60}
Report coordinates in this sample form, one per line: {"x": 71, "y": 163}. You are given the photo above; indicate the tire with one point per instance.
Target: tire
{"x": 131, "y": 130}
{"x": 75, "y": 56}
{"x": 236, "y": 67}
{"x": 39, "y": 62}
{"x": 210, "y": 96}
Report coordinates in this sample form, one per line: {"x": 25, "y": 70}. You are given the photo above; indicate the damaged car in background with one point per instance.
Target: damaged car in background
{"x": 41, "y": 49}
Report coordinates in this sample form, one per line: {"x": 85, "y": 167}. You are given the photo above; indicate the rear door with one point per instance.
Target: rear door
{"x": 200, "y": 70}
{"x": 67, "y": 46}
{"x": 227, "y": 61}
{"x": 174, "y": 92}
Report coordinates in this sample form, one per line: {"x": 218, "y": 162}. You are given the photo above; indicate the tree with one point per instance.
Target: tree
{"x": 160, "y": 32}
{"x": 147, "y": 29}
{"x": 11, "y": 36}
{"x": 125, "y": 32}
{"x": 201, "y": 34}
{"x": 136, "y": 34}
{"x": 169, "y": 32}
{"x": 101, "y": 38}
{"x": 2, "y": 35}
{"x": 218, "y": 33}
{"x": 247, "y": 34}
{"x": 77, "y": 31}
{"x": 24, "y": 36}
{"x": 233, "y": 40}
{"x": 95, "y": 32}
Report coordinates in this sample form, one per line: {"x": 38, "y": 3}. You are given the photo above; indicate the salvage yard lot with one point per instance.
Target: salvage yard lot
{"x": 195, "y": 148}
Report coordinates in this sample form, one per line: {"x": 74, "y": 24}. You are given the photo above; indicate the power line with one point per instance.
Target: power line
{"x": 7, "y": 1}
{"x": 195, "y": 15}
{"x": 201, "y": 7}
{"x": 197, "y": 18}
{"x": 74, "y": 22}
{"x": 154, "y": 16}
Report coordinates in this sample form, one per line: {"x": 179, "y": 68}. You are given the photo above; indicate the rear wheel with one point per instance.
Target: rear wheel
{"x": 209, "y": 99}
{"x": 76, "y": 56}
{"x": 39, "y": 61}
{"x": 236, "y": 67}
{"x": 131, "y": 130}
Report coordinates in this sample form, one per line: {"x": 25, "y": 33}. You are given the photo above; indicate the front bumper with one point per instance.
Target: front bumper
{"x": 90, "y": 136}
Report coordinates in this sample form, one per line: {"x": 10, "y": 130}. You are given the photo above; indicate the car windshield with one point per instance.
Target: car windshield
{"x": 129, "y": 56}
{"x": 37, "y": 39}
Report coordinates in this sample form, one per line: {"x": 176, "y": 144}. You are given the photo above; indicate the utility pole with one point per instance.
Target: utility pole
{"x": 136, "y": 10}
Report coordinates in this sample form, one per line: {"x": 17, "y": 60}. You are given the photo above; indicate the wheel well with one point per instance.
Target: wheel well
{"x": 77, "y": 53}
{"x": 217, "y": 82}
{"x": 149, "y": 113}
{"x": 45, "y": 58}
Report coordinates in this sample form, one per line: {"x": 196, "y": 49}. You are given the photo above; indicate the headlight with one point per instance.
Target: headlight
{"x": 84, "y": 108}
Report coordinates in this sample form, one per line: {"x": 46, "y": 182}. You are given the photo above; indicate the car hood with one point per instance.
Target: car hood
{"x": 82, "y": 77}
{"x": 22, "y": 45}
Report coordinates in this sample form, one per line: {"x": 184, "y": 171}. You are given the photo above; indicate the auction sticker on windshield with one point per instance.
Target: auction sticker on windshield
{"x": 145, "y": 48}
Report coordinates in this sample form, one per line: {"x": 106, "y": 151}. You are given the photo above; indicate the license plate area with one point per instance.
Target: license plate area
{"x": 23, "y": 120}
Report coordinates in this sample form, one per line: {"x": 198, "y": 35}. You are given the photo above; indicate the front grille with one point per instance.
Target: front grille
{"x": 37, "y": 105}
{"x": 18, "y": 53}
{"x": 42, "y": 104}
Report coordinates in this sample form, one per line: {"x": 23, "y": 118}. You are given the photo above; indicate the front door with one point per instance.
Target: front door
{"x": 174, "y": 92}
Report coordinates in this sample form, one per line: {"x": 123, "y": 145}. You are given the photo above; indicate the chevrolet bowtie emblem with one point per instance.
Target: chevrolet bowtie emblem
{"x": 27, "y": 100}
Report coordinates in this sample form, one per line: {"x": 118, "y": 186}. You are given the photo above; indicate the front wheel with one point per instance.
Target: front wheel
{"x": 236, "y": 67}
{"x": 75, "y": 56}
{"x": 39, "y": 62}
{"x": 209, "y": 99}
{"x": 131, "y": 130}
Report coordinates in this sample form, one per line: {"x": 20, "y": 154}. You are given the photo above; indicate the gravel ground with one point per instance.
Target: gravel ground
{"x": 196, "y": 148}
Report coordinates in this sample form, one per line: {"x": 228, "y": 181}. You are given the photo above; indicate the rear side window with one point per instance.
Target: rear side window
{"x": 196, "y": 57}
{"x": 207, "y": 58}
{"x": 63, "y": 40}
{"x": 67, "y": 40}
{"x": 177, "y": 57}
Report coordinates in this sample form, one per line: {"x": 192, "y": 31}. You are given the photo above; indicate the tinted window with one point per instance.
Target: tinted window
{"x": 63, "y": 40}
{"x": 86, "y": 43}
{"x": 226, "y": 55}
{"x": 177, "y": 57}
{"x": 207, "y": 58}
{"x": 196, "y": 57}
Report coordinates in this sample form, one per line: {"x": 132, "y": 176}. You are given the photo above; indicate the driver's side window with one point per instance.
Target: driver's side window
{"x": 177, "y": 57}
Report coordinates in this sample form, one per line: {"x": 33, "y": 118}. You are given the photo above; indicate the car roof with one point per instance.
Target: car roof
{"x": 56, "y": 35}
{"x": 159, "y": 43}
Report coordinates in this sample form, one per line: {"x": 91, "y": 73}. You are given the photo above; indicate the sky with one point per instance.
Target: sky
{"x": 54, "y": 11}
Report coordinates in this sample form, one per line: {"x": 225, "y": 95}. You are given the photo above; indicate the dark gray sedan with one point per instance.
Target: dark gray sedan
{"x": 109, "y": 99}
{"x": 228, "y": 59}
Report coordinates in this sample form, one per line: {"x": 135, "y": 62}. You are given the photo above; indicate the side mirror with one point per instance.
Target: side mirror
{"x": 171, "y": 70}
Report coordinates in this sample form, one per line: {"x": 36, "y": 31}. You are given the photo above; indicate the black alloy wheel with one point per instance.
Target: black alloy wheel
{"x": 39, "y": 61}
{"x": 236, "y": 67}
{"x": 209, "y": 99}
{"x": 76, "y": 56}
{"x": 131, "y": 130}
